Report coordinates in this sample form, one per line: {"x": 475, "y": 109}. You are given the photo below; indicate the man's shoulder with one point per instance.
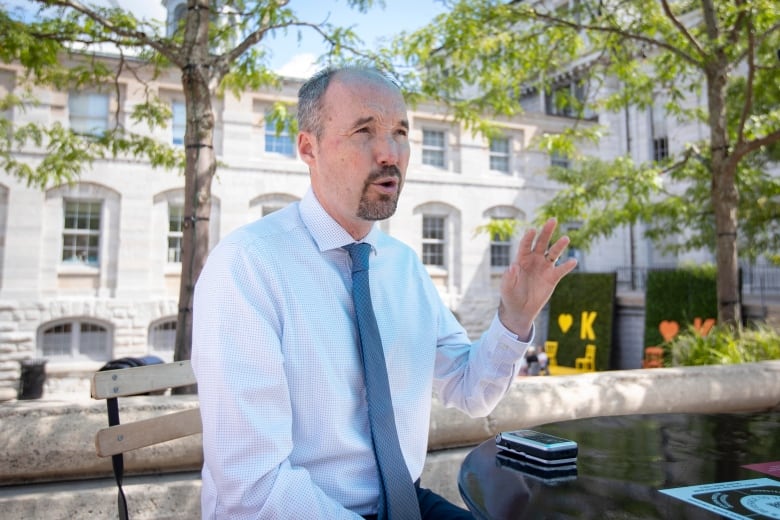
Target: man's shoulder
{"x": 269, "y": 231}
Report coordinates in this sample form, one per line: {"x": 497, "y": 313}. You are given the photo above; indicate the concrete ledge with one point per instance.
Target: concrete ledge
{"x": 47, "y": 440}
{"x": 539, "y": 400}
{"x": 53, "y": 440}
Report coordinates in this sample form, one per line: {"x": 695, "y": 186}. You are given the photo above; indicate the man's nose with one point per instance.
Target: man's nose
{"x": 388, "y": 150}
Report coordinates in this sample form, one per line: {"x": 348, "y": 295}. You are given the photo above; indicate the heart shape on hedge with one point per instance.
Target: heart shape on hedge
{"x": 565, "y": 321}
{"x": 669, "y": 329}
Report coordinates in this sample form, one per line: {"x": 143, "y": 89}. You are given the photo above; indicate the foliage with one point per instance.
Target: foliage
{"x": 487, "y": 56}
{"x": 66, "y": 45}
{"x": 499, "y": 228}
{"x": 724, "y": 345}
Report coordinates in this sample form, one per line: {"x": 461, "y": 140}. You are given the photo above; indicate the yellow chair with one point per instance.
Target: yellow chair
{"x": 587, "y": 363}
{"x": 551, "y": 348}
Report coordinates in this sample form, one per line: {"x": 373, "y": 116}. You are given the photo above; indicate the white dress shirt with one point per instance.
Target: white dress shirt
{"x": 280, "y": 381}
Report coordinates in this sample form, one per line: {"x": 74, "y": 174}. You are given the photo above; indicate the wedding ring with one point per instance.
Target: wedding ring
{"x": 548, "y": 257}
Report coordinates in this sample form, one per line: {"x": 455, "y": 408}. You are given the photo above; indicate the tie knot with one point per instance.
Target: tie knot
{"x": 359, "y": 252}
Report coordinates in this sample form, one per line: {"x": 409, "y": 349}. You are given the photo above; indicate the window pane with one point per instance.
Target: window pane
{"x": 557, "y": 159}
{"x": 499, "y": 145}
{"x": 175, "y": 217}
{"x": 433, "y": 227}
{"x": 81, "y": 233}
{"x": 433, "y": 148}
{"x": 175, "y": 226}
{"x": 499, "y": 254}
{"x": 88, "y": 112}
{"x": 174, "y": 249}
{"x": 281, "y": 143}
{"x": 93, "y": 341}
{"x": 179, "y": 122}
{"x": 57, "y": 340}
{"x": 499, "y": 154}
{"x": 660, "y": 148}
{"x": 162, "y": 337}
{"x": 433, "y": 254}
{"x": 433, "y": 240}
{"x": 433, "y": 138}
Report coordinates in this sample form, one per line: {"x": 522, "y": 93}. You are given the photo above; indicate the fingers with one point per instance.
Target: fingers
{"x": 557, "y": 249}
{"x": 544, "y": 236}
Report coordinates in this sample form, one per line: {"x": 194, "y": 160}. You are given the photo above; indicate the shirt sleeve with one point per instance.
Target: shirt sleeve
{"x": 245, "y": 400}
{"x": 473, "y": 377}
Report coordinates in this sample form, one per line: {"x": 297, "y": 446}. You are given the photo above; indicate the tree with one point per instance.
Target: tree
{"x": 481, "y": 56}
{"x": 216, "y": 48}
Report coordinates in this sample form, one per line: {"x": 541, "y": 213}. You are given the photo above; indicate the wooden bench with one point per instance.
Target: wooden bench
{"x": 119, "y": 438}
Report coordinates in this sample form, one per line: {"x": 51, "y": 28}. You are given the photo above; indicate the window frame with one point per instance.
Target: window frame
{"x": 434, "y": 149}
{"x": 503, "y": 155}
{"x": 178, "y": 125}
{"x": 77, "y": 232}
{"x": 75, "y": 339}
{"x": 173, "y": 234}
{"x": 79, "y": 121}
{"x": 282, "y": 145}
{"x": 162, "y": 328}
{"x": 434, "y": 245}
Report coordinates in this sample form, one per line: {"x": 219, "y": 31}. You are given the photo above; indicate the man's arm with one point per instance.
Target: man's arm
{"x": 474, "y": 378}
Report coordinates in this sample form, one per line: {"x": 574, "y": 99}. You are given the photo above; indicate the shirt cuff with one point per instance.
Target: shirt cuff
{"x": 512, "y": 335}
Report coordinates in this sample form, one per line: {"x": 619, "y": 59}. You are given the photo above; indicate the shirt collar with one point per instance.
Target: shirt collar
{"x": 326, "y": 232}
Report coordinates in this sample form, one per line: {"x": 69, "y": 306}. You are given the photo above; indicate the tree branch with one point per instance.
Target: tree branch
{"x": 620, "y": 32}
{"x": 745, "y": 147}
{"x": 681, "y": 28}
{"x": 141, "y": 38}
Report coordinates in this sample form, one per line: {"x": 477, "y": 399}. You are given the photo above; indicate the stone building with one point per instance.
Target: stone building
{"x": 90, "y": 271}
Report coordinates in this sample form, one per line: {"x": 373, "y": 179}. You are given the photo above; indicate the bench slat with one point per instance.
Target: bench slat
{"x": 125, "y": 437}
{"x": 140, "y": 380}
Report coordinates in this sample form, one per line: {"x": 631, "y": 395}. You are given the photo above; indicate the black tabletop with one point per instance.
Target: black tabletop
{"x": 623, "y": 464}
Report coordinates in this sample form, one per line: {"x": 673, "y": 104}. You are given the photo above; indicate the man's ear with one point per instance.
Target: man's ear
{"x": 307, "y": 147}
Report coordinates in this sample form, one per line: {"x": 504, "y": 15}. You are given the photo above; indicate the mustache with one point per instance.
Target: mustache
{"x": 385, "y": 171}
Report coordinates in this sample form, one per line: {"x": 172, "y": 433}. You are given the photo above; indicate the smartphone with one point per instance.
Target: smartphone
{"x": 550, "y": 474}
{"x": 539, "y": 447}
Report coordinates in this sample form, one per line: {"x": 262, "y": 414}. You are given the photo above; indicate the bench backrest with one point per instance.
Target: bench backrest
{"x": 112, "y": 384}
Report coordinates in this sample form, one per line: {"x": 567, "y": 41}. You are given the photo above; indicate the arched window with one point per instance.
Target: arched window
{"x": 75, "y": 339}
{"x": 162, "y": 338}
{"x": 440, "y": 244}
{"x": 502, "y": 247}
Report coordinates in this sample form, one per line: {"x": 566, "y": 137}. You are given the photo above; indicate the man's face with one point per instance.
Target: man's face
{"x": 358, "y": 163}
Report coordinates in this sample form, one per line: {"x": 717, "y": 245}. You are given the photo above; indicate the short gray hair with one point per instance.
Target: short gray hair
{"x": 312, "y": 91}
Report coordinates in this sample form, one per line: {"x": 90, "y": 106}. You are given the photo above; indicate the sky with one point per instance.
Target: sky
{"x": 294, "y": 58}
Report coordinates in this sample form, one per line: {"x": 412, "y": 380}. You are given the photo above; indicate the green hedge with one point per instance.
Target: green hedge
{"x": 677, "y": 298}
{"x": 573, "y": 303}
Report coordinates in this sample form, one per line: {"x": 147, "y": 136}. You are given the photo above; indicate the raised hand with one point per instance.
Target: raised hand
{"x": 530, "y": 280}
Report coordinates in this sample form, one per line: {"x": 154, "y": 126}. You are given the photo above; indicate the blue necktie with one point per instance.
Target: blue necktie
{"x": 398, "y": 498}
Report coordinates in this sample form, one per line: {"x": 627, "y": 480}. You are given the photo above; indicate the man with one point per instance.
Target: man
{"x": 276, "y": 348}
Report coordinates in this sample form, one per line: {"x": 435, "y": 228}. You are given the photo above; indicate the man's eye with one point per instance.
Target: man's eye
{"x": 363, "y": 130}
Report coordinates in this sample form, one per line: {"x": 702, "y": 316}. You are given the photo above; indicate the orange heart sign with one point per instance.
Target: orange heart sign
{"x": 668, "y": 329}
{"x": 564, "y": 322}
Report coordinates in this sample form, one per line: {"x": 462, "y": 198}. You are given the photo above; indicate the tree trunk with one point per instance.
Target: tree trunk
{"x": 200, "y": 168}
{"x": 725, "y": 198}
